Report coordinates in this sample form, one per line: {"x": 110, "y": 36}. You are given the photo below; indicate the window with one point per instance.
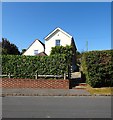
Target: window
{"x": 35, "y": 52}
{"x": 57, "y": 42}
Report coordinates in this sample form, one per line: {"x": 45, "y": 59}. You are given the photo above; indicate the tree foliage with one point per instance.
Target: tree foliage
{"x": 78, "y": 56}
{"x": 9, "y": 48}
{"x": 23, "y": 50}
{"x": 59, "y": 50}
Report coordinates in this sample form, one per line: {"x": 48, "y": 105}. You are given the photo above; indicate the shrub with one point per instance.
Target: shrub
{"x": 27, "y": 66}
{"x": 98, "y": 68}
{"x": 67, "y": 50}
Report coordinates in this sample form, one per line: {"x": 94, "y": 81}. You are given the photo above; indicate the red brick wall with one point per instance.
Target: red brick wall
{"x": 33, "y": 83}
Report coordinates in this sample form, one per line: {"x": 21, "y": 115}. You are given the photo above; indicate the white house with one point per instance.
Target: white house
{"x": 57, "y": 37}
{"x": 35, "y": 48}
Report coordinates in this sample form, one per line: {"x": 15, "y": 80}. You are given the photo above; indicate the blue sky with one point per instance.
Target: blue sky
{"x": 23, "y": 22}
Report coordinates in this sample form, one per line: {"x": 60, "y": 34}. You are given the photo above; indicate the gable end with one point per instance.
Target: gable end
{"x": 55, "y": 31}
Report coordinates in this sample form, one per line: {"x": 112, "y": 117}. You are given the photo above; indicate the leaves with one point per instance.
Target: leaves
{"x": 28, "y": 66}
{"x": 60, "y": 50}
{"x": 98, "y": 68}
{"x": 9, "y": 48}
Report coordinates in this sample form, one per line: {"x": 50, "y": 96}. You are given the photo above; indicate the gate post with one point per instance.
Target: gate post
{"x": 9, "y": 75}
{"x": 64, "y": 76}
{"x": 36, "y": 76}
{"x": 69, "y": 72}
{"x": 69, "y": 77}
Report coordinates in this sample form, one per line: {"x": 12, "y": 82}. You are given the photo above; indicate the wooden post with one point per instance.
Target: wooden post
{"x": 36, "y": 76}
{"x": 64, "y": 76}
{"x": 9, "y": 75}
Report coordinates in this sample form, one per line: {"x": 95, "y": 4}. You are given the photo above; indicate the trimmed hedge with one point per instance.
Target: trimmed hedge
{"x": 28, "y": 66}
{"x": 98, "y": 68}
{"x": 67, "y": 50}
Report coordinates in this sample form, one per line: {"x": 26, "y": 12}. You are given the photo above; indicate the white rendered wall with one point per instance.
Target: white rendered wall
{"x": 35, "y": 46}
{"x": 64, "y": 40}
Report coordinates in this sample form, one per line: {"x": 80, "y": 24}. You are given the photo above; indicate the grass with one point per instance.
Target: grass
{"x": 102, "y": 91}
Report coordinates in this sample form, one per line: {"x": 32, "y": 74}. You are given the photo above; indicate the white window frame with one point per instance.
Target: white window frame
{"x": 57, "y": 43}
{"x": 35, "y": 52}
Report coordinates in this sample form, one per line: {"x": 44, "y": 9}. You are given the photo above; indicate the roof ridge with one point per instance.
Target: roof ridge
{"x": 33, "y": 42}
{"x": 57, "y": 28}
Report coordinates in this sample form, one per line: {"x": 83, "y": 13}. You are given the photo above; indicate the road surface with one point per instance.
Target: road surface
{"x": 57, "y": 107}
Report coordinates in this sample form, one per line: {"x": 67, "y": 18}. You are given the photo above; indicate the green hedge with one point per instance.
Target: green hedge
{"x": 67, "y": 50}
{"x": 98, "y": 68}
{"x": 27, "y": 66}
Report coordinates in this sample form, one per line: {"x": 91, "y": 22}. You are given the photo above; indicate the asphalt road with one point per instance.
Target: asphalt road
{"x": 56, "y": 107}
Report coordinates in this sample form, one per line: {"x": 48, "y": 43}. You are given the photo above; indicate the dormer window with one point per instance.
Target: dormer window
{"x": 35, "y": 52}
{"x": 57, "y": 42}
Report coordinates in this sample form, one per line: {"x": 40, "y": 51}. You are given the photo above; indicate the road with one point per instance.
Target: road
{"x": 57, "y": 107}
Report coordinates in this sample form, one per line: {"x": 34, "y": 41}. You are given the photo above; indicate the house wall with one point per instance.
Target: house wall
{"x": 35, "y": 46}
{"x": 64, "y": 40}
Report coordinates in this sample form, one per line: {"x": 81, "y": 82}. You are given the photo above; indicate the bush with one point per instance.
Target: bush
{"x": 98, "y": 68}
{"x": 27, "y": 66}
{"x": 67, "y": 50}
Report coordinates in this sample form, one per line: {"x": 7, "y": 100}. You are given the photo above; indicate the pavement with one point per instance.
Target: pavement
{"x": 76, "y": 91}
{"x": 44, "y": 92}
{"x": 76, "y": 75}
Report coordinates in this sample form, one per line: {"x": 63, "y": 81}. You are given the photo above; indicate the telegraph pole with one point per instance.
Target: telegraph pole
{"x": 86, "y": 45}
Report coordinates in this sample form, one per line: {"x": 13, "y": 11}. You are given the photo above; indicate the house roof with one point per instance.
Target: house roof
{"x": 33, "y": 42}
{"x": 42, "y": 54}
{"x": 56, "y": 30}
{"x": 41, "y": 43}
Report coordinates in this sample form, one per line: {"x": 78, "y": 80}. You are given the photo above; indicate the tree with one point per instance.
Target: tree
{"x": 78, "y": 53}
{"x": 61, "y": 50}
{"x": 23, "y": 50}
{"x": 67, "y": 50}
{"x": 9, "y": 48}
{"x": 79, "y": 56}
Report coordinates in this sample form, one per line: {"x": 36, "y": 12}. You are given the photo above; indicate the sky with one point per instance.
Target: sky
{"x": 23, "y": 22}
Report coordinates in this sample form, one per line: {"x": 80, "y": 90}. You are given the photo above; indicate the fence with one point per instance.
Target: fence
{"x": 9, "y": 82}
{"x": 40, "y": 76}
